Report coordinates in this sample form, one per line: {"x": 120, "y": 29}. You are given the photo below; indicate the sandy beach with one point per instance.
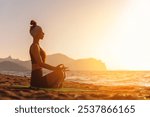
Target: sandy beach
{"x": 9, "y": 90}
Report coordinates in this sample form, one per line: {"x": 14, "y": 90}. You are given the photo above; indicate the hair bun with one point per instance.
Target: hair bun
{"x": 33, "y": 23}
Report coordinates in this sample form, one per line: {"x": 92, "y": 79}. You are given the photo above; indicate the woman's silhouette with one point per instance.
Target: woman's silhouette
{"x": 38, "y": 56}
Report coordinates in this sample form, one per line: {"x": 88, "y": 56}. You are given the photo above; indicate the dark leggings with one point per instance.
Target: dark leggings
{"x": 54, "y": 79}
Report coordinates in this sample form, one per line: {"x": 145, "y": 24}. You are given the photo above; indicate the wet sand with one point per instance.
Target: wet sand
{"x": 77, "y": 91}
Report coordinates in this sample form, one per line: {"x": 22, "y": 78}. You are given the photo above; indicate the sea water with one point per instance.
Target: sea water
{"x": 107, "y": 78}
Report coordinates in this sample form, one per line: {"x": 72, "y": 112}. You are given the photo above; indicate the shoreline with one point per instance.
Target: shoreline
{"x": 70, "y": 91}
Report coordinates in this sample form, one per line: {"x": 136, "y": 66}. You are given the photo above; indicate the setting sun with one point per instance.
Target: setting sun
{"x": 127, "y": 43}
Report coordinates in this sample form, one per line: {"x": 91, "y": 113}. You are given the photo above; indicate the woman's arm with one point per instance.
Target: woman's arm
{"x": 38, "y": 59}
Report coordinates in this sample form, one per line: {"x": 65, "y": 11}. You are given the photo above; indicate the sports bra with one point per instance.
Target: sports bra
{"x": 42, "y": 54}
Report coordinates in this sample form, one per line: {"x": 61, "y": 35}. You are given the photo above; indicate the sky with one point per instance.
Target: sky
{"x": 114, "y": 31}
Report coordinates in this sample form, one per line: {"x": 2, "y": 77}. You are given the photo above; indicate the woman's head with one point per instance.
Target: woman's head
{"x": 35, "y": 30}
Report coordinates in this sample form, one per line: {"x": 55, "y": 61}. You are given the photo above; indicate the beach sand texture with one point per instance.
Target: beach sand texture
{"x": 10, "y": 90}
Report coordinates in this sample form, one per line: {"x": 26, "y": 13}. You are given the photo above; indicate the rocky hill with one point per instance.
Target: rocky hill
{"x": 10, "y": 66}
{"x": 87, "y": 64}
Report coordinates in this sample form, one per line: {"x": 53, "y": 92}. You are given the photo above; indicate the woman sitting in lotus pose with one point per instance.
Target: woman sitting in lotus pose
{"x": 38, "y": 56}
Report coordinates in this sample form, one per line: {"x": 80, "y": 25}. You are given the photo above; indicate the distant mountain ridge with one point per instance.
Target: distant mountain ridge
{"x": 25, "y": 64}
{"x": 11, "y": 66}
{"x": 56, "y": 59}
{"x": 87, "y": 64}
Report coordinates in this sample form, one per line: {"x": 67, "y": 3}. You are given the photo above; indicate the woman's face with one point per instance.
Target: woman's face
{"x": 41, "y": 35}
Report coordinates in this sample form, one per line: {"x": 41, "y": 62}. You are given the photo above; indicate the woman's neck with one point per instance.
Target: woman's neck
{"x": 36, "y": 41}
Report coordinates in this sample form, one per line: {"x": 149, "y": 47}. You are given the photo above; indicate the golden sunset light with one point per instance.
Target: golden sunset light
{"x": 116, "y": 32}
{"x": 75, "y": 50}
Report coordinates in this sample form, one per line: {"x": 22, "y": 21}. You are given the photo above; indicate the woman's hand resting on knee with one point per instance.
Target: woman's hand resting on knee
{"x": 61, "y": 67}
